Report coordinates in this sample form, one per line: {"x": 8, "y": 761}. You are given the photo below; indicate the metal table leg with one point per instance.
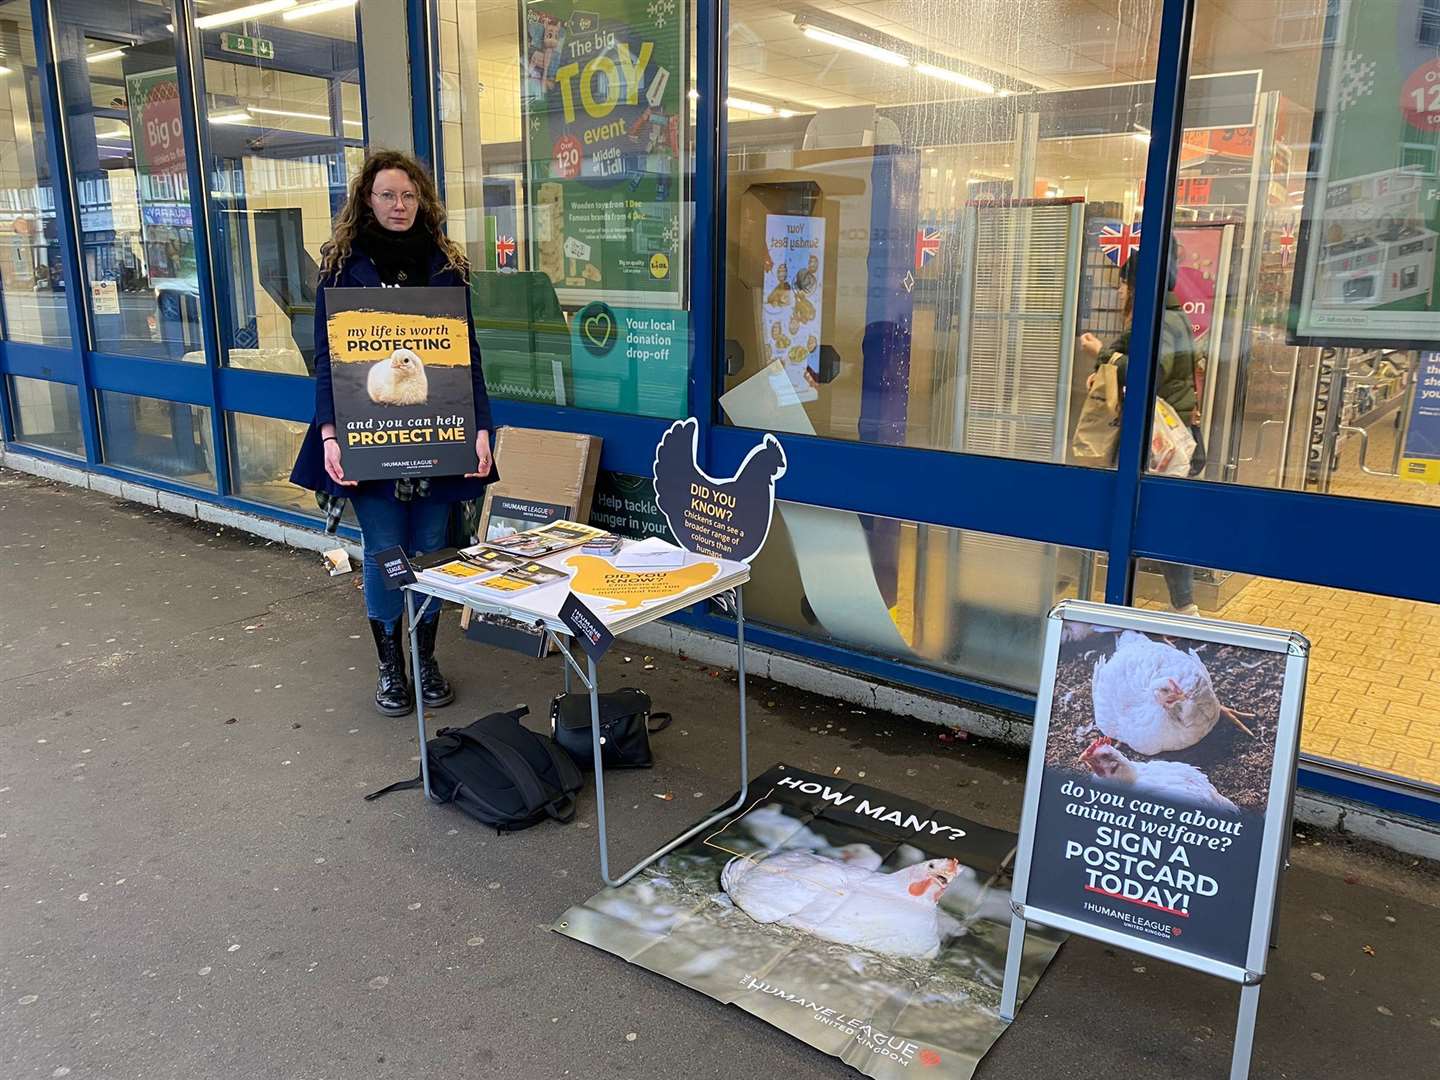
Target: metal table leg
{"x": 714, "y": 818}
{"x": 414, "y": 618}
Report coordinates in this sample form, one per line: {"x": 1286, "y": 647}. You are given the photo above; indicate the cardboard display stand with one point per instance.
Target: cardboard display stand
{"x": 1160, "y": 790}
{"x": 546, "y": 475}
{"x": 551, "y": 467}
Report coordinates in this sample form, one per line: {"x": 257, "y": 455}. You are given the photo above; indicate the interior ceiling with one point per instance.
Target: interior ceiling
{"x": 1047, "y": 44}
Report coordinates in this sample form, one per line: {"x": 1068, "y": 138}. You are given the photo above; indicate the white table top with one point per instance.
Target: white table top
{"x": 542, "y": 603}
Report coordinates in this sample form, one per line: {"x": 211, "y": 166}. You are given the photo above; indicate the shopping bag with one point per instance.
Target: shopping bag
{"x": 1171, "y": 443}
{"x": 1097, "y": 433}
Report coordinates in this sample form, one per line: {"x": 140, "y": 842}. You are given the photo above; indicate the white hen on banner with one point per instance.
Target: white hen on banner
{"x": 894, "y": 913}
{"x": 1150, "y": 695}
{"x": 1167, "y": 779}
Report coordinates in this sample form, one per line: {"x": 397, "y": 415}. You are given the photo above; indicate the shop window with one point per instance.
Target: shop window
{"x": 164, "y": 438}
{"x": 1373, "y": 697}
{"x": 283, "y": 116}
{"x": 32, "y": 270}
{"x": 958, "y": 601}
{"x": 262, "y": 452}
{"x": 566, "y": 176}
{"x": 46, "y": 414}
{"x": 928, "y": 209}
{"x": 1306, "y": 242}
{"x": 125, "y": 143}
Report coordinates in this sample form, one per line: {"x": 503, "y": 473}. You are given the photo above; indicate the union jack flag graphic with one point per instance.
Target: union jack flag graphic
{"x": 1119, "y": 244}
{"x": 927, "y": 246}
{"x": 505, "y": 253}
{"x": 1287, "y": 243}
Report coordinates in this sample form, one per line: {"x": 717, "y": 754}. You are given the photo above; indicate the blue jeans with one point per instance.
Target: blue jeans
{"x": 417, "y": 526}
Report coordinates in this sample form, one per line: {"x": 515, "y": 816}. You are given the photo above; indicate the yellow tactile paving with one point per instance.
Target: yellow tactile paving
{"x": 1374, "y": 693}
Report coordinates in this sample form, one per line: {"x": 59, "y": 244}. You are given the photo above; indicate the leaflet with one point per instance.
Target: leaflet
{"x": 548, "y": 539}
{"x": 491, "y": 559}
{"x": 518, "y": 579}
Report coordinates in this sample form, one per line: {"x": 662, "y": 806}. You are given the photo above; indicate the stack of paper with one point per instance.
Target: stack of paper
{"x": 649, "y": 554}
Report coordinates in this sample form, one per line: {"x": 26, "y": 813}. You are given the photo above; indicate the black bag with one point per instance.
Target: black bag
{"x": 626, "y": 725}
{"x": 499, "y": 773}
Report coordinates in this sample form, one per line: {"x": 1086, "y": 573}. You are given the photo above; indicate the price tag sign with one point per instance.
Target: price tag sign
{"x": 568, "y": 155}
{"x": 1420, "y": 97}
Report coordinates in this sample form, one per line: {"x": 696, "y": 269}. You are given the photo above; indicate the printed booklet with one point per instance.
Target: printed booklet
{"x": 522, "y": 578}
{"x": 548, "y": 539}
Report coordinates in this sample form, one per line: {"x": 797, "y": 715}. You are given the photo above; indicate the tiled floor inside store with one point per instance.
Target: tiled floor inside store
{"x": 1373, "y": 697}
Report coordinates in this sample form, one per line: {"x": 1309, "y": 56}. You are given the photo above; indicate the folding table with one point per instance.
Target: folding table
{"x": 540, "y": 608}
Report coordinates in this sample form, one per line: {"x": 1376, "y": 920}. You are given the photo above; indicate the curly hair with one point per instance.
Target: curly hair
{"x": 356, "y": 212}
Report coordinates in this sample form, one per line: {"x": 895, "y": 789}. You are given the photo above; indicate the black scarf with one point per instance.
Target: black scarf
{"x": 402, "y": 258}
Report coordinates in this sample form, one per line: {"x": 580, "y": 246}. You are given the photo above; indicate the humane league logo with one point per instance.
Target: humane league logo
{"x": 876, "y": 1040}
{"x": 395, "y": 567}
{"x": 589, "y": 630}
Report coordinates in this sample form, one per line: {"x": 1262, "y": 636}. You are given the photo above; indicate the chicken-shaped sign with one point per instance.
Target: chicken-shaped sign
{"x": 722, "y": 518}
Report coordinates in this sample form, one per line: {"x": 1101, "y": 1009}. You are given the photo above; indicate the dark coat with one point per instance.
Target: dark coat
{"x": 359, "y": 271}
{"x": 1175, "y": 366}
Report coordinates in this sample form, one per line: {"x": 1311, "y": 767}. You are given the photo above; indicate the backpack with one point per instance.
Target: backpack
{"x": 499, "y": 773}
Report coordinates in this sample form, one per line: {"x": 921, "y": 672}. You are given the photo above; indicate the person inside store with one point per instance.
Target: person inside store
{"x": 391, "y": 234}
{"x": 1176, "y": 365}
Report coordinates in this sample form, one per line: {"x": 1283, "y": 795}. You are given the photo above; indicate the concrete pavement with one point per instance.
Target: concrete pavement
{"x": 191, "y": 886}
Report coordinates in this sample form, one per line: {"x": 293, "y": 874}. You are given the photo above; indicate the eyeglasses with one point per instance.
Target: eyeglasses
{"x": 390, "y": 198}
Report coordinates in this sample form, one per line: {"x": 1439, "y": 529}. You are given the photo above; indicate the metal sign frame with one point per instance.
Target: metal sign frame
{"x": 1275, "y": 831}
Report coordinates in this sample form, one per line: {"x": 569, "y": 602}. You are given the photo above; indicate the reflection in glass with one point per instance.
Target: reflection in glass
{"x": 923, "y": 209}
{"x": 1307, "y": 248}
{"x": 165, "y": 438}
{"x": 32, "y": 272}
{"x": 286, "y": 133}
{"x": 126, "y": 144}
{"x": 46, "y": 414}
{"x": 262, "y": 452}
{"x": 1373, "y": 693}
{"x": 958, "y": 601}
{"x": 564, "y": 179}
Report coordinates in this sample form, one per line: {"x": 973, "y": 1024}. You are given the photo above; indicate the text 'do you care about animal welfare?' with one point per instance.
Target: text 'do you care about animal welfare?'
{"x": 1155, "y": 789}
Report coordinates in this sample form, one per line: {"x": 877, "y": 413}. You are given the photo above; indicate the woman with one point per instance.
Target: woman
{"x": 391, "y": 234}
{"x": 1175, "y": 367}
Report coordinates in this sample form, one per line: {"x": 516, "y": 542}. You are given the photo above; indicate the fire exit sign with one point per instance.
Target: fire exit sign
{"x": 260, "y": 48}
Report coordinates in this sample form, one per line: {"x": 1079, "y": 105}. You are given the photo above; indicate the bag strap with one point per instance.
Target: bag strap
{"x": 514, "y": 763}
{"x": 400, "y": 785}
{"x": 664, "y": 719}
{"x": 562, "y": 809}
{"x": 565, "y": 767}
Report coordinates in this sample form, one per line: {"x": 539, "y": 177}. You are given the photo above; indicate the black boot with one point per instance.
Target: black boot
{"x": 435, "y": 689}
{"x": 392, "y": 689}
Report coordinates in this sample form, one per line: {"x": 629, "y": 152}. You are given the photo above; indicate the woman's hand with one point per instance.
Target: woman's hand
{"x": 332, "y": 464}
{"x": 485, "y": 463}
{"x": 332, "y": 457}
{"x": 1091, "y": 345}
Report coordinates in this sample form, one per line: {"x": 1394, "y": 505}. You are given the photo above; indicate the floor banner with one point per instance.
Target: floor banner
{"x": 870, "y": 926}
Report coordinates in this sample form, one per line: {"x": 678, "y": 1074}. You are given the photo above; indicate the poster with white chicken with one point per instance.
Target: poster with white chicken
{"x": 867, "y": 925}
{"x": 1157, "y": 793}
{"x": 402, "y": 382}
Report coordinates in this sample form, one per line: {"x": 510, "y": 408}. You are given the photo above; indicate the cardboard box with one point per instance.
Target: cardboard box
{"x": 555, "y": 467}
